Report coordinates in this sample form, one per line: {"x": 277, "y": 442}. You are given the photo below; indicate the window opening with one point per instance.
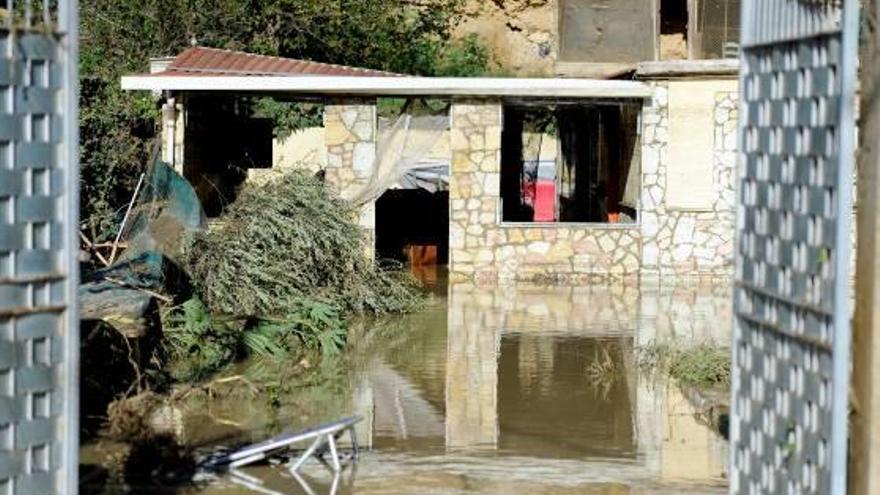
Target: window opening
{"x": 718, "y": 27}
{"x": 570, "y": 163}
{"x": 223, "y": 140}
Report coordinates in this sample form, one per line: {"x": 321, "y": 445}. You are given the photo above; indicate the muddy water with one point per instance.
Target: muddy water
{"x": 528, "y": 389}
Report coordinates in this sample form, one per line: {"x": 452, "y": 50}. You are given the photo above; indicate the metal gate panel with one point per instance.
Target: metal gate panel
{"x": 39, "y": 337}
{"x": 792, "y": 330}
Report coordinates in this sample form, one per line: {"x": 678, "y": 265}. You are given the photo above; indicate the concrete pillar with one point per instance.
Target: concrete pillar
{"x": 350, "y": 133}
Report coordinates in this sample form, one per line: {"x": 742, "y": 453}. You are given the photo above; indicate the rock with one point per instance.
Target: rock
{"x": 540, "y": 247}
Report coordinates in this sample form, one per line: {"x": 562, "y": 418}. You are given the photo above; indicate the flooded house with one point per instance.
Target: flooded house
{"x": 616, "y": 165}
{"x": 623, "y": 166}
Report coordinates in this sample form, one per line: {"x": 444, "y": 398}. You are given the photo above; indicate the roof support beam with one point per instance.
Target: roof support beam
{"x": 393, "y": 86}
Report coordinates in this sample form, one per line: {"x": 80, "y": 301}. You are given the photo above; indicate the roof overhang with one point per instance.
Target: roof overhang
{"x": 392, "y": 86}
{"x": 684, "y": 69}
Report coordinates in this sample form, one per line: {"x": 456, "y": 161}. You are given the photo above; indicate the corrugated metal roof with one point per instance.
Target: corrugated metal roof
{"x": 202, "y": 61}
{"x": 211, "y": 69}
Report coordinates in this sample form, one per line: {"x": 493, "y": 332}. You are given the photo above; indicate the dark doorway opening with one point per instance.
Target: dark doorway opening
{"x": 674, "y": 37}
{"x": 223, "y": 140}
{"x": 412, "y": 227}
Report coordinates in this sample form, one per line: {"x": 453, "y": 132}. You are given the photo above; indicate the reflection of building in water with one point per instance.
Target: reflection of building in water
{"x": 690, "y": 450}
{"x": 471, "y": 374}
{"x": 571, "y": 413}
{"x": 534, "y": 363}
{"x": 549, "y": 373}
{"x": 401, "y": 410}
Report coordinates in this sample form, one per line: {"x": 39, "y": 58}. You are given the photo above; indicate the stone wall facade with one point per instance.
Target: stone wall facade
{"x": 664, "y": 242}
{"x": 482, "y": 247}
{"x": 350, "y": 134}
{"x": 688, "y": 243}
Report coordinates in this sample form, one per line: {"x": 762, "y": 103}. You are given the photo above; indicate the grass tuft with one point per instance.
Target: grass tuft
{"x": 704, "y": 364}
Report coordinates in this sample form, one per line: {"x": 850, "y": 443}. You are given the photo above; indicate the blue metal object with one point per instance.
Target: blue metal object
{"x": 792, "y": 328}
{"x": 39, "y": 327}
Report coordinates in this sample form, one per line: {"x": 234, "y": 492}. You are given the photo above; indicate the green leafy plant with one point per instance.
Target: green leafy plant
{"x": 289, "y": 116}
{"x": 199, "y": 343}
{"x": 465, "y": 57}
{"x": 313, "y": 326}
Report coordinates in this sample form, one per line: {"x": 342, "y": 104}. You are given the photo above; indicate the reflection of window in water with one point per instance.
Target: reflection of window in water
{"x": 570, "y": 162}
{"x": 566, "y": 413}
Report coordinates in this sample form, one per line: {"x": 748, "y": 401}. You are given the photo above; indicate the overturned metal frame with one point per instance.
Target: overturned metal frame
{"x": 324, "y": 439}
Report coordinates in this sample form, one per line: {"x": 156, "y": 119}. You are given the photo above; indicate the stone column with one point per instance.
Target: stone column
{"x": 655, "y": 128}
{"x": 350, "y": 133}
{"x": 474, "y": 186}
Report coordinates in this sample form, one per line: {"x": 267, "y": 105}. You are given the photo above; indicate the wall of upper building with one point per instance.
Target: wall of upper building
{"x": 601, "y": 37}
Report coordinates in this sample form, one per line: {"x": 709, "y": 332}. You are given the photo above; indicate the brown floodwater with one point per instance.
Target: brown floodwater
{"x": 495, "y": 390}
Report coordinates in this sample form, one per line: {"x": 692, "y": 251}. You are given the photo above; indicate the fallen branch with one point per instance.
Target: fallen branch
{"x": 91, "y": 245}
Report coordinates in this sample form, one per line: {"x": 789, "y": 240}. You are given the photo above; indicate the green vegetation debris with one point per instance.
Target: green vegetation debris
{"x": 704, "y": 364}
{"x": 198, "y": 343}
{"x": 286, "y": 241}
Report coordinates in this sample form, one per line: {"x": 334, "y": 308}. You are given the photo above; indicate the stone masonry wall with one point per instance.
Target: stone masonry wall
{"x": 664, "y": 243}
{"x": 481, "y": 247}
{"x": 350, "y": 131}
{"x": 687, "y": 243}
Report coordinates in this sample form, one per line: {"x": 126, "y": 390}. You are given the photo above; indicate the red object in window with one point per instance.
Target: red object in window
{"x": 545, "y": 201}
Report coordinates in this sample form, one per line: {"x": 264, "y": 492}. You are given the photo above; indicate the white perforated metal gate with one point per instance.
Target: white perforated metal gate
{"x": 792, "y": 329}
{"x": 39, "y": 337}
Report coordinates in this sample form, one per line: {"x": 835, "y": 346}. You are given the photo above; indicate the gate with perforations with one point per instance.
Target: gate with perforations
{"x": 39, "y": 336}
{"x": 792, "y": 325}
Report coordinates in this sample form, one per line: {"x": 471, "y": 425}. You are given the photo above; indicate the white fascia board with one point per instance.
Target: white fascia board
{"x": 396, "y": 86}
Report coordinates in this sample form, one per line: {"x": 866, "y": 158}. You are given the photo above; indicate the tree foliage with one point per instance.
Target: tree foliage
{"x": 119, "y": 36}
